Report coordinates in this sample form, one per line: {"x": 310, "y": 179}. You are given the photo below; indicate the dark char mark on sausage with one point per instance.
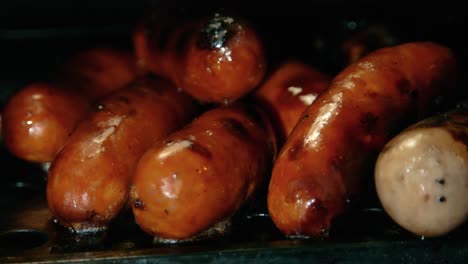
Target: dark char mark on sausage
{"x": 201, "y": 150}
{"x": 139, "y": 204}
{"x": 235, "y": 128}
{"x": 293, "y": 152}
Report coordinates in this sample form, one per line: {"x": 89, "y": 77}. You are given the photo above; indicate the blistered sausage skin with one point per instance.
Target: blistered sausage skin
{"x": 288, "y": 92}
{"x": 39, "y": 118}
{"x": 218, "y": 59}
{"x": 200, "y": 175}
{"x": 323, "y": 163}
{"x": 421, "y": 175}
{"x": 89, "y": 180}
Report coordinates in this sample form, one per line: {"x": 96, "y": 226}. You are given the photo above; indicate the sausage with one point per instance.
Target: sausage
{"x": 421, "y": 175}
{"x": 287, "y": 92}
{"x": 39, "y": 118}
{"x": 323, "y": 164}
{"x": 217, "y": 59}
{"x": 200, "y": 175}
{"x": 89, "y": 180}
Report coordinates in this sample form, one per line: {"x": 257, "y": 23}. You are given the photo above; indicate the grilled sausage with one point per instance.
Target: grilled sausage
{"x": 200, "y": 175}
{"x": 288, "y": 92}
{"x": 322, "y": 166}
{"x": 39, "y": 118}
{"x": 218, "y": 59}
{"x": 89, "y": 180}
{"x": 421, "y": 175}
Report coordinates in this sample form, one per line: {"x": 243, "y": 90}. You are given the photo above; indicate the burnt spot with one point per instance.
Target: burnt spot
{"x": 440, "y": 181}
{"x": 304, "y": 117}
{"x": 138, "y": 204}
{"x": 404, "y": 86}
{"x": 371, "y": 94}
{"x": 426, "y": 197}
{"x": 317, "y": 213}
{"x": 234, "y": 127}
{"x": 294, "y": 151}
{"x": 369, "y": 122}
{"x": 442, "y": 199}
{"x": 122, "y": 99}
{"x": 166, "y": 211}
{"x": 182, "y": 42}
{"x": 215, "y": 33}
{"x": 200, "y": 150}
{"x": 132, "y": 112}
{"x": 91, "y": 214}
{"x": 459, "y": 136}
{"x": 168, "y": 142}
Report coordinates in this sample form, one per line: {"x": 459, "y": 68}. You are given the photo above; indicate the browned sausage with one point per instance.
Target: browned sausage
{"x": 89, "y": 180}
{"x": 200, "y": 175}
{"x": 323, "y": 163}
{"x": 288, "y": 92}
{"x": 218, "y": 59}
{"x": 38, "y": 119}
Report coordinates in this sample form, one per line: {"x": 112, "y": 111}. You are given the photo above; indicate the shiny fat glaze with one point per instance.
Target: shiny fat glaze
{"x": 89, "y": 180}
{"x": 217, "y": 59}
{"x": 329, "y": 154}
{"x": 200, "y": 175}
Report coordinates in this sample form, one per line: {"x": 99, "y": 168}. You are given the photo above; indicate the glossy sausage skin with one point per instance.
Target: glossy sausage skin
{"x": 324, "y": 162}
{"x": 89, "y": 180}
{"x": 288, "y": 92}
{"x": 200, "y": 175}
{"x": 218, "y": 59}
{"x": 421, "y": 175}
{"x": 39, "y": 118}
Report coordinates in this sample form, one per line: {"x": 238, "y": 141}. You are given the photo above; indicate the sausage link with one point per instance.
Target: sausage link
{"x": 89, "y": 180}
{"x": 39, "y": 118}
{"x": 288, "y": 92}
{"x": 421, "y": 175}
{"x": 322, "y": 166}
{"x": 218, "y": 59}
{"x": 200, "y": 175}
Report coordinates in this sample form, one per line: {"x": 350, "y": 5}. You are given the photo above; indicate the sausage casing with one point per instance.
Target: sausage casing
{"x": 39, "y": 118}
{"x": 288, "y": 92}
{"x": 322, "y": 166}
{"x": 200, "y": 175}
{"x": 89, "y": 180}
{"x": 218, "y": 59}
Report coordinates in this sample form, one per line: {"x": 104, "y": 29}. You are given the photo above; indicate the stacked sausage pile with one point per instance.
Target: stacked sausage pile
{"x": 119, "y": 130}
